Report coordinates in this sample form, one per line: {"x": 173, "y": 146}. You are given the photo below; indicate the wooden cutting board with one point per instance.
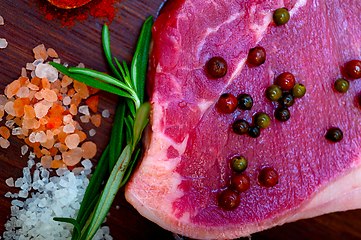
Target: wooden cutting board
{"x": 26, "y": 27}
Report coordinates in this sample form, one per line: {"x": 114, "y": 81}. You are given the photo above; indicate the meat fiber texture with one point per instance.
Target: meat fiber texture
{"x": 190, "y": 142}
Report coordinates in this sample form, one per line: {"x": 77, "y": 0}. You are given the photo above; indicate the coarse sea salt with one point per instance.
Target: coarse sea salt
{"x": 3, "y": 43}
{"x": 32, "y": 218}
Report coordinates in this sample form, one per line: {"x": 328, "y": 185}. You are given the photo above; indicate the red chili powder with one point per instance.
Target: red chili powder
{"x": 103, "y": 9}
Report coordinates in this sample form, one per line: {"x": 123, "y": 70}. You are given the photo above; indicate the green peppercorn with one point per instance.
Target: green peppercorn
{"x": 299, "y": 90}
{"x": 254, "y": 131}
{"x": 281, "y": 16}
{"x": 287, "y": 100}
{"x": 240, "y": 127}
{"x": 334, "y": 134}
{"x": 262, "y": 120}
{"x": 282, "y": 114}
{"x": 245, "y": 101}
{"x": 239, "y": 164}
{"x": 342, "y": 85}
{"x": 274, "y": 92}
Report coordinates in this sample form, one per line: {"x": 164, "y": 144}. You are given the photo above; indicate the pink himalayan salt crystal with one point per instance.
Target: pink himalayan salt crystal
{"x": 4, "y": 143}
{"x": 52, "y": 53}
{"x": 49, "y": 134}
{"x": 23, "y": 92}
{"x": 67, "y": 118}
{"x": 30, "y": 66}
{"x": 69, "y": 128}
{"x": 49, "y": 143}
{"x": 32, "y": 87}
{"x": 66, "y": 81}
{"x": 9, "y": 108}
{"x": 12, "y": 88}
{"x": 40, "y": 110}
{"x": 3, "y": 99}
{"x": 49, "y": 95}
{"x": 1, "y": 20}
{"x": 46, "y": 161}
{"x": 38, "y": 95}
{"x": 40, "y": 137}
{"x": 30, "y": 123}
{"x": 89, "y": 149}
{"x": 72, "y": 157}
{"x": 40, "y": 52}
{"x": 66, "y": 100}
{"x": 72, "y": 141}
{"x": 23, "y": 72}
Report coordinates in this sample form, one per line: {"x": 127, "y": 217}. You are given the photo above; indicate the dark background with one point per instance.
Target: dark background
{"x": 26, "y": 27}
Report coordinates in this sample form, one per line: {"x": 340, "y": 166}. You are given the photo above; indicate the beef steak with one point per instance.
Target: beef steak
{"x": 190, "y": 142}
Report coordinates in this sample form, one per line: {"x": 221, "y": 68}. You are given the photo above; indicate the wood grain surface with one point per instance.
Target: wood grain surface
{"x": 26, "y": 27}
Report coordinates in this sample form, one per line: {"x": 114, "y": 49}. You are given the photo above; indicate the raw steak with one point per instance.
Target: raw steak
{"x": 190, "y": 144}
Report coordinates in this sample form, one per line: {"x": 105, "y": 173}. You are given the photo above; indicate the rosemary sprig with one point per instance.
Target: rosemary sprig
{"x": 131, "y": 111}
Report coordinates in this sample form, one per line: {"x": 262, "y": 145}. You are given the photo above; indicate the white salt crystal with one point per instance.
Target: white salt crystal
{"x": 92, "y": 132}
{"x": 85, "y": 118}
{"x": 23, "y": 193}
{"x": 17, "y": 203}
{"x": 46, "y": 70}
{"x": 10, "y": 123}
{"x": 24, "y": 149}
{"x": 105, "y": 113}
{"x": 66, "y": 100}
{"x": 37, "y": 62}
{"x": 57, "y": 60}
{"x": 84, "y": 110}
{"x": 87, "y": 164}
{"x": 63, "y": 183}
{"x": 117, "y": 207}
{"x": 26, "y": 175}
{"x": 10, "y": 182}
{"x": 4, "y": 143}
{"x": 32, "y": 155}
{"x": 3, "y": 43}
{"x": 44, "y": 173}
{"x": 69, "y": 128}
{"x": 65, "y": 64}
{"x": 32, "y": 137}
{"x": 61, "y": 171}
{"x": 19, "y": 182}
{"x": 8, "y": 194}
{"x": 81, "y": 65}
{"x": 17, "y": 131}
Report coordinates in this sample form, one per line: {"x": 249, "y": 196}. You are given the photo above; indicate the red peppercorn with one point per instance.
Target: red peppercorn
{"x": 229, "y": 200}
{"x": 353, "y": 69}
{"x": 217, "y": 67}
{"x": 286, "y": 81}
{"x": 256, "y": 56}
{"x": 268, "y": 177}
{"x": 240, "y": 182}
{"x": 227, "y": 103}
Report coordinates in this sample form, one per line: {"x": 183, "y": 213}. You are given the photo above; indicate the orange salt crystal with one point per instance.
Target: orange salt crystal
{"x": 49, "y": 143}
{"x": 53, "y": 151}
{"x": 73, "y": 109}
{"x": 1, "y": 113}
{"x": 29, "y": 112}
{"x": 37, "y": 152}
{"x": 54, "y": 122}
{"x": 81, "y": 134}
{"x": 52, "y": 53}
{"x": 92, "y": 103}
{"x": 81, "y": 88}
{"x": 49, "y": 134}
{"x": 25, "y": 131}
{"x": 46, "y": 161}
{"x": 33, "y": 145}
{"x": 72, "y": 157}
{"x": 56, "y": 110}
{"x": 35, "y": 81}
{"x": 45, "y": 152}
{"x": 60, "y": 97}
{"x": 55, "y": 131}
{"x": 49, "y": 95}
{"x": 76, "y": 99}
{"x": 23, "y": 80}
{"x": 12, "y": 88}
{"x": 93, "y": 90}
{"x": 4, "y": 132}
{"x": 40, "y": 52}
{"x": 57, "y": 164}
{"x": 9, "y": 117}
{"x": 63, "y": 90}
{"x": 63, "y": 148}
{"x": 61, "y": 136}
{"x": 96, "y": 120}
{"x": 43, "y": 120}
{"x": 38, "y": 95}
{"x": 89, "y": 149}
{"x": 19, "y": 105}
{"x": 45, "y": 83}
{"x": 18, "y": 121}
{"x": 71, "y": 92}
{"x": 66, "y": 81}
{"x": 56, "y": 84}
{"x": 30, "y": 123}
{"x": 72, "y": 141}
{"x": 32, "y": 87}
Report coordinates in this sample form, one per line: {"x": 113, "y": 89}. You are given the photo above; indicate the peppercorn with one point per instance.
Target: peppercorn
{"x": 240, "y": 182}
{"x": 256, "y": 56}
{"x": 353, "y": 69}
{"x": 281, "y": 16}
{"x": 239, "y": 164}
{"x": 334, "y": 134}
{"x": 342, "y": 85}
{"x": 287, "y": 100}
{"x": 262, "y": 120}
{"x": 299, "y": 90}
{"x": 240, "y": 127}
{"x": 282, "y": 114}
{"x": 286, "y": 81}
{"x": 227, "y": 103}
{"x": 268, "y": 177}
{"x": 274, "y": 92}
{"x": 216, "y": 67}
{"x": 254, "y": 131}
{"x": 245, "y": 101}
{"x": 228, "y": 200}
